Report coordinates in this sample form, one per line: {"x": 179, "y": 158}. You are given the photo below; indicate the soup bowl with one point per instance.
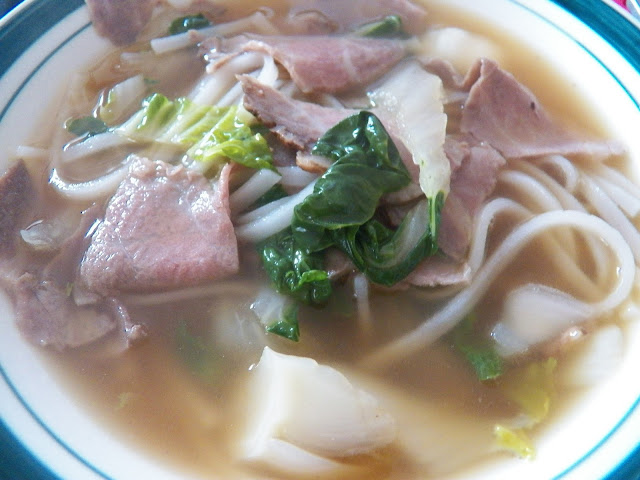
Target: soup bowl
{"x": 48, "y": 432}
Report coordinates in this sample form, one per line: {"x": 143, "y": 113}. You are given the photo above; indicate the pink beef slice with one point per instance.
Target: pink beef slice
{"x": 47, "y": 315}
{"x": 475, "y": 167}
{"x": 164, "y": 228}
{"x": 16, "y": 196}
{"x": 329, "y": 64}
{"x": 120, "y": 20}
{"x": 298, "y": 124}
{"x": 505, "y": 114}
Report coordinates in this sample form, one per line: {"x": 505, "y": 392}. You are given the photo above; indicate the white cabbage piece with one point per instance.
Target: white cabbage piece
{"x": 411, "y": 103}
{"x": 533, "y": 314}
{"x": 304, "y": 417}
{"x": 459, "y": 47}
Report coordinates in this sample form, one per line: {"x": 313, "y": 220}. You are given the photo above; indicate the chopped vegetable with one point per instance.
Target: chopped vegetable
{"x": 478, "y": 350}
{"x": 189, "y": 22}
{"x": 390, "y": 26}
{"x": 278, "y": 313}
{"x": 293, "y": 271}
{"x": 531, "y": 388}
{"x": 208, "y": 134}
{"x": 344, "y": 200}
{"x": 85, "y": 126}
{"x": 514, "y": 440}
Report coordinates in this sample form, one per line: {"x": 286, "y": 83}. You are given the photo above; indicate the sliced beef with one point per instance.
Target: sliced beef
{"x": 475, "y": 169}
{"x": 346, "y": 14}
{"x": 501, "y": 111}
{"x": 47, "y": 315}
{"x": 16, "y": 196}
{"x": 164, "y": 228}
{"x": 323, "y": 63}
{"x": 298, "y": 124}
{"x": 120, "y": 20}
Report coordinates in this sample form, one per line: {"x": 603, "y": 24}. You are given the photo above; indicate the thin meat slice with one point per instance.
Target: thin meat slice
{"x": 319, "y": 63}
{"x": 47, "y": 315}
{"x": 120, "y": 20}
{"x": 501, "y": 111}
{"x": 164, "y": 228}
{"x": 475, "y": 169}
{"x": 16, "y": 196}
{"x": 298, "y": 124}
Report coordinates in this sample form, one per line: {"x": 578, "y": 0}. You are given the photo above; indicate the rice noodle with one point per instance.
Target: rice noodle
{"x": 445, "y": 319}
{"x": 568, "y": 170}
{"x": 609, "y": 211}
{"x": 295, "y": 177}
{"x": 94, "y": 189}
{"x": 568, "y": 202}
{"x": 361, "y": 294}
{"x": 627, "y": 201}
{"x": 217, "y": 83}
{"x": 252, "y": 189}
{"x": 93, "y": 145}
{"x": 278, "y": 219}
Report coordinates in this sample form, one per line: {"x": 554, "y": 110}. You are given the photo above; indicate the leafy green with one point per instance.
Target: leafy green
{"x": 478, "y": 351}
{"x": 287, "y": 326}
{"x": 340, "y": 211}
{"x": 85, "y": 126}
{"x": 390, "y": 26}
{"x": 200, "y": 357}
{"x": 208, "y": 134}
{"x": 293, "y": 271}
{"x": 189, "y": 22}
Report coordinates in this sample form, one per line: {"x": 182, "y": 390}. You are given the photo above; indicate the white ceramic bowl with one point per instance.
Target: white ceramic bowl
{"x": 46, "y": 435}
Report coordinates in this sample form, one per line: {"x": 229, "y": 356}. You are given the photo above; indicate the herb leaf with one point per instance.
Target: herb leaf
{"x": 190, "y": 22}
{"x": 85, "y": 126}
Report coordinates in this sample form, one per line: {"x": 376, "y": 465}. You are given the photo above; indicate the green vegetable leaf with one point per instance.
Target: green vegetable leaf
{"x": 190, "y": 22}
{"x": 478, "y": 351}
{"x": 389, "y": 27}
{"x": 85, "y": 126}
{"x": 208, "y": 134}
{"x": 199, "y": 357}
{"x": 287, "y": 326}
{"x": 341, "y": 208}
{"x": 293, "y": 271}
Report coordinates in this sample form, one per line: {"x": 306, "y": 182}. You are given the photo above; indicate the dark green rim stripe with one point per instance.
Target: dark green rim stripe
{"x": 23, "y": 30}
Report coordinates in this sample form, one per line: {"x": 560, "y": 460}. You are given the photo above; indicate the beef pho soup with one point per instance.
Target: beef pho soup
{"x": 303, "y": 241}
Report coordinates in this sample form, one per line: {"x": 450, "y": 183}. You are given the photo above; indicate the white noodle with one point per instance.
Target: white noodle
{"x": 217, "y": 83}
{"x": 628, "y": 202}
{"x": 361, "y": 293}
{"x": 277, "y": 220}
{"x": 295, "y": 177}
{"x": 252, "y": 189}
{"x": 445, "y": 319}
{"x": 92, "y": 145}
{"x": 27, "y": 153}
{"x": 94, "y": 189}
{"x": 608, "y": 210}
{"x": 568, "y": 170}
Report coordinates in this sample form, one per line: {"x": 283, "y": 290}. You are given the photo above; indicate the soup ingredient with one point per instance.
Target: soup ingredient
{"x": 190, "y": 22}
{"x": 210, "y": 135}
{"x": 16, "y": 192}
{"x": 121, "y": 21}
{"x": 164, "y": 228}
{"x": 308, "y": 411}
